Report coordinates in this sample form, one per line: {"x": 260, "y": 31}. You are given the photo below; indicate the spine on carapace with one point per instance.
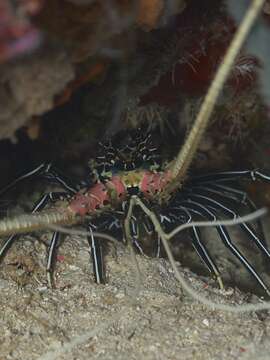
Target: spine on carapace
{"x": 38, "y": 221}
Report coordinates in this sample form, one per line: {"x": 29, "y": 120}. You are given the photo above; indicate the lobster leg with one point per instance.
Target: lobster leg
{"x": 236, "y": 195}
{"x": 97, "y": 256}
{"x": 38, "y": 206}
{"x": 225, "y": 237}
{"x": 54, "y": 176}
{"x": 201, "y": 249}
{"x": 51, "y": 259}
{"x": 216, "y": 205}
{"x": 150, "y": 231}
{"x": 230, "y": 175}
{"x": 180, "y": 214}
{"x": 50, "y": 197}
{"x": 134, "y": 232}
{"x": 204, "y": 255}
{"x": 43, "y": 170}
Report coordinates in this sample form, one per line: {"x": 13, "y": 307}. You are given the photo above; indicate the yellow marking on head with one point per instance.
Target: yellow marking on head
{"x": 132, "y": 178}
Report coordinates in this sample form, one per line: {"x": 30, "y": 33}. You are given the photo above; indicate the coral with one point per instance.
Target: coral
{"x": 194, "y": 55}
{"x": 27, "y": 88}
{"x": 17, "y": 34}
{"x": 150, "y": 12}
{"x": 86, "y": 29}
{"x": 79, "y": 32}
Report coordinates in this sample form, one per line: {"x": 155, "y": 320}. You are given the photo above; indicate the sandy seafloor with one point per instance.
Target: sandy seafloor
{"x": 82, "y": 320}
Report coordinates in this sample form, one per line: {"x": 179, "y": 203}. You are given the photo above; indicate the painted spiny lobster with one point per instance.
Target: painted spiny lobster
{"x": 134, "y": 169}
{"x": 122, "y": 175}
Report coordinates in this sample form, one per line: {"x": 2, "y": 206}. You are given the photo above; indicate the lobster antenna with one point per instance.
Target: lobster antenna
{"x": 37, "y": 221}
{"x": 182, "y": 162}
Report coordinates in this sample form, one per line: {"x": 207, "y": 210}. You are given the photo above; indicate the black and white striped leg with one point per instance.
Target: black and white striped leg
{"x": 97, "y": 257}
{"x": 225, "y": 237}
{"x": 234, "y": 195}
{"x": 201, "y": 249}
{"x": 51, "y": 259}
{"x": 229, "y": 193}
{"x": 30, "y": 174}
{"x": 204, "y": 255}
{"x": 169, "y": 218}
{"x": 45, "y": 199}
{"x": 7, "y": 245}
{"x": 158, "y": 247}
{"x": 150, "y": 231}
{"x": 248, "y": 229}
{"x": 53, "y": 175}
{"x": 134, "y": 232}
{"x": 43, "y": 170}
{"x": 230, "y": 175}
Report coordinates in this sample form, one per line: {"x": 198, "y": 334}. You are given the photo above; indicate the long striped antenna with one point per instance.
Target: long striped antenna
{"x": 37, "y": 221}
{"x": 183, "y": 160}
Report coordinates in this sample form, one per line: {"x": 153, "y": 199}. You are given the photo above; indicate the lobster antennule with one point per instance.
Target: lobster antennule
{"x": 38, "y": 221}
